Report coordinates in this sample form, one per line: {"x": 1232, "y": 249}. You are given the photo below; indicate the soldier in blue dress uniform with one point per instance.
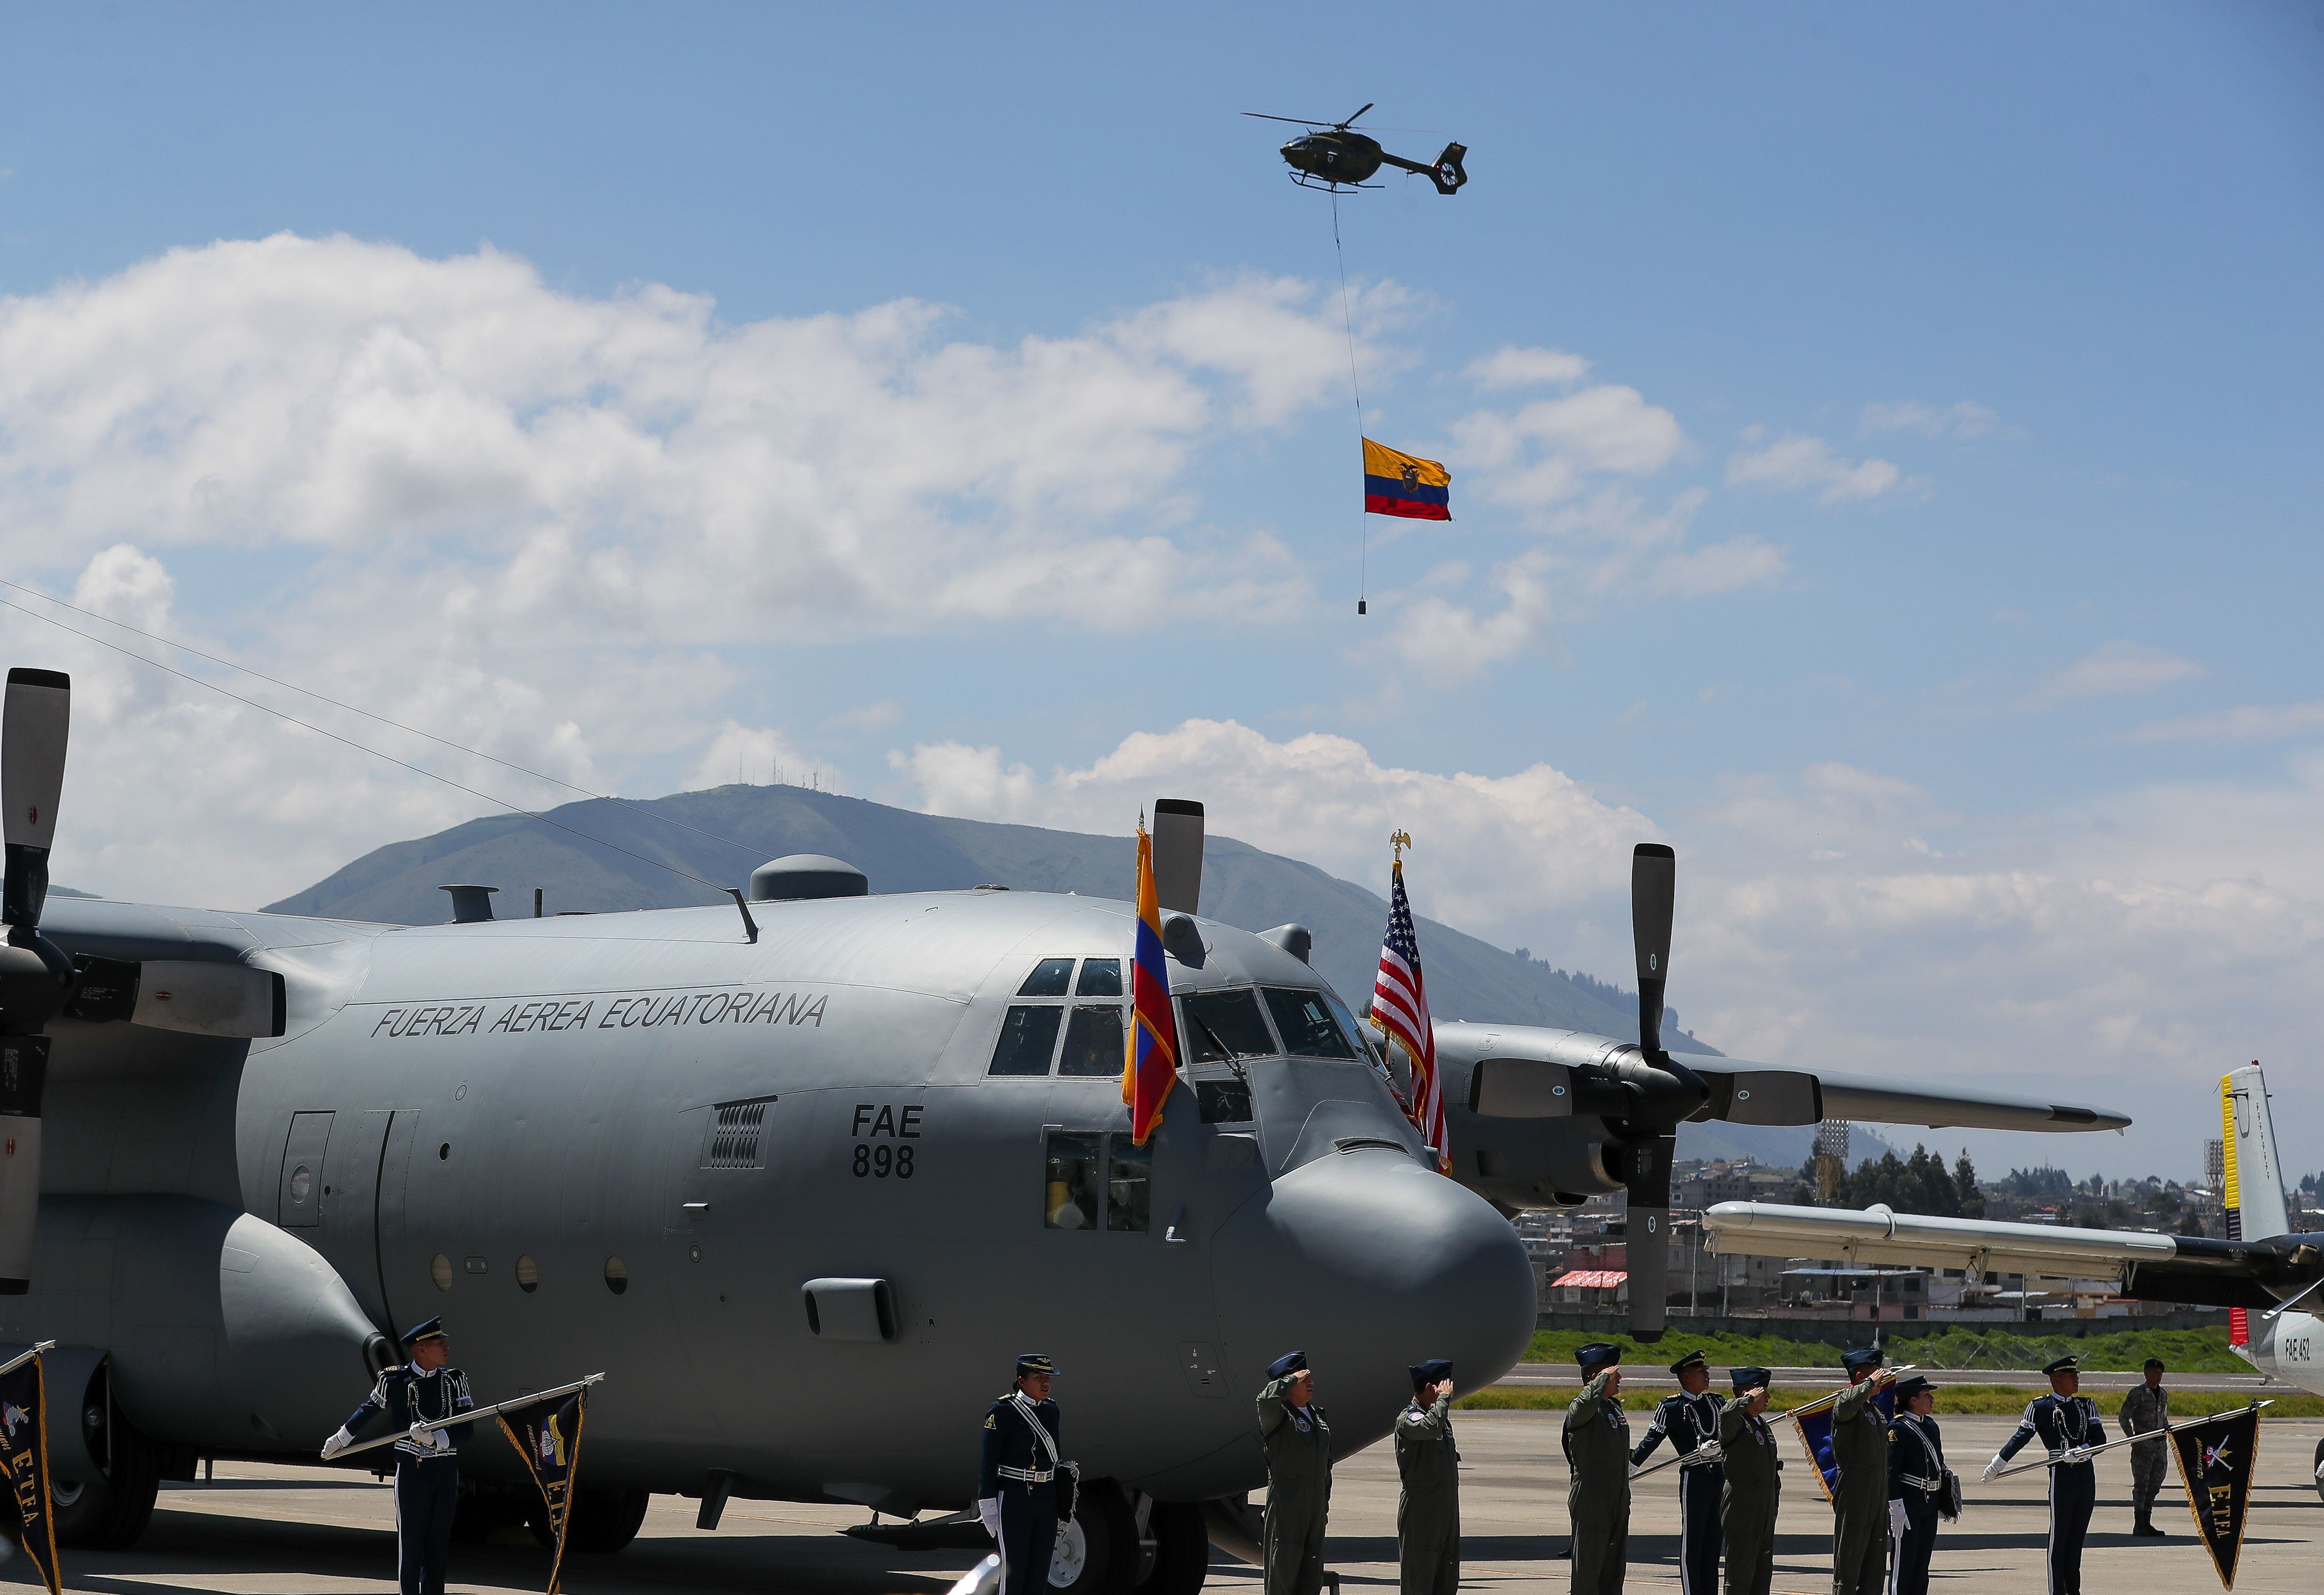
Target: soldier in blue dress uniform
{"x": 2067, "y": 1423}
{"x": 1021, "y": 1485}
{"x": 426, "y": 1461}
{"x": 1690, "y": 1421}
{"x": 1917, "y": 1486}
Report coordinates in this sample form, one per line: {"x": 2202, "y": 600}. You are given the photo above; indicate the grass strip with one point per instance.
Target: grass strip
{"x": 2185, "y": 1350}
{"x": 1963, "y": 1400}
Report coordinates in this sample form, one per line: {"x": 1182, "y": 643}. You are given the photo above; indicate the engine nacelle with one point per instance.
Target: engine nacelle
{"x": 224, "y": 1332}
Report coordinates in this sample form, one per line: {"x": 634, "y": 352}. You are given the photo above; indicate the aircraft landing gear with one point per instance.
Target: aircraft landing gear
{"x": 109, "y": 1511}
{"x": 603, "y": 1520}
{"x": 1113, "y": 1547}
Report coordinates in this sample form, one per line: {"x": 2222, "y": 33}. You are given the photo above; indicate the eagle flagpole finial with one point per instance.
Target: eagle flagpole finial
{"x": 1399, "y": 841}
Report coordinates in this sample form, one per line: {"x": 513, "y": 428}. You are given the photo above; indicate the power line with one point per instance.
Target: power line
{"x": 350, "y": 708}
{"x": 362, "y": 748}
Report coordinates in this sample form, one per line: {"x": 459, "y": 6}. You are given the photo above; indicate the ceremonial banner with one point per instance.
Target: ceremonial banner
{"x": 548, "y": 1435}
{"x": 24, "y": 1452}
{"x": 1815, "y": 1425}
{"x": 2216, "y": 1461}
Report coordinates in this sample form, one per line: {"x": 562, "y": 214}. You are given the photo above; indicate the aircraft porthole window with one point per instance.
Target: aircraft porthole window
{"x": 444, "y": 1152}
{"x": 617, "y": 1275}
{"x": 440, "y": 1271}
{"x": 528, "y": 1275}
{"x": 303, "y": 1180}
{"x": 1069, "y": 1187}
{"x": 460, "y": 1096}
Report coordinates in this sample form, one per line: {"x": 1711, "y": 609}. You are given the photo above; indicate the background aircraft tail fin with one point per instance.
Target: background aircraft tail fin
{"x": 2253, "y": 1192}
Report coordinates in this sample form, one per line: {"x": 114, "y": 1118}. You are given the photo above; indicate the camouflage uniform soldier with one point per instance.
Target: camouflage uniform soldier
{"x": 1746, "y": 1508}
{"x": 2146, "y": 1411}
{"x": 1428, "y": 1508}
{"x": 1598, "y": 1448}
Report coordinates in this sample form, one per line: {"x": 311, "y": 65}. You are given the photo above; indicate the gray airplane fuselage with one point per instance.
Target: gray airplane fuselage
{"x": 629, "y": 1142}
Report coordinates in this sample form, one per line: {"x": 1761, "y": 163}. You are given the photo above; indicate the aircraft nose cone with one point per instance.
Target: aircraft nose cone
{"x": 1369, "y": 1263}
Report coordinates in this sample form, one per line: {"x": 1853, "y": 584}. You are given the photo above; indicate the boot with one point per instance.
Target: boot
{"x": 2145, "y": 1527}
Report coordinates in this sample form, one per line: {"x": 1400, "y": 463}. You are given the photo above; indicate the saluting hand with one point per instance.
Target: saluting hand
{"x": 1442, "y": 1390}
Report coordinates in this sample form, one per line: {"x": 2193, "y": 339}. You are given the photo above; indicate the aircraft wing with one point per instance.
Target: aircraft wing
{"x": 1890, "y": 1101}
{"x": 2156, "y": 1267}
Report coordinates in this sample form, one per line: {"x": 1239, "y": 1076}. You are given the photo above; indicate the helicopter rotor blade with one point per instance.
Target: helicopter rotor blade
{"x": 1302, "y": 121}
{"x": 1351, "y": 121}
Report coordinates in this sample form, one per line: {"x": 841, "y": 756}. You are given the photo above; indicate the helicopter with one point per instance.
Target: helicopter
{"x": 1334, "y": 155}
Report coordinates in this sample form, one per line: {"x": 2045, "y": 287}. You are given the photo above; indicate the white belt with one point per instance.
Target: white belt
{"x": 1028, "y": 1475}
{"x": 1929, "y": 1485}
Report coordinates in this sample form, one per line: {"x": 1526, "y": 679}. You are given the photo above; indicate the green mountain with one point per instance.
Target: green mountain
{"x": 601, "y": 856}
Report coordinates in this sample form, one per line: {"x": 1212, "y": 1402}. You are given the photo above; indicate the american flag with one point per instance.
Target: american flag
{"x": 1401, "y": 1009}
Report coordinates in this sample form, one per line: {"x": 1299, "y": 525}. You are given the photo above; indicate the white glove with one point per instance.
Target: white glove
{"x": 988, "y": 1513}
{"x": 336, "y": 1443}
{"x": 1992, "y": 1467}
{"x": 1896, "y": 1517}
{"x": 422, "y": 1435}
{"x": 2078, "y": 1453}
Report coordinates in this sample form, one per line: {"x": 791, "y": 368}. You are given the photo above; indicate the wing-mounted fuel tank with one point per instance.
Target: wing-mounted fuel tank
{"x": 221, "y": 1331}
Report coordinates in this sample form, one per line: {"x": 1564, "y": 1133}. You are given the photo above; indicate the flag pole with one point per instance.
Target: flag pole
{"x": 15, "y": 1362}
{"x": 472, "y": 1415}
{"x": 2083, "y": 1452}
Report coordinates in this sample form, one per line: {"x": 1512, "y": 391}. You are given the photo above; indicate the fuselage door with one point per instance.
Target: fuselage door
{"x": 298, "y": 1201}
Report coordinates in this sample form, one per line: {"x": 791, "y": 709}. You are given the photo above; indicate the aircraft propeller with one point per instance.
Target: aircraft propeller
{"x": 36, "y": 976}
{"x": 1663, "y": 1092}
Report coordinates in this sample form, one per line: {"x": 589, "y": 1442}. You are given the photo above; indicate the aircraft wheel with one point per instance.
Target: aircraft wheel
{"x": 1182, "y": 1549}
{"x": 108, "y": 1512}
{"x": 1098, "y": 1553}
{"x": 606, "y": 1520}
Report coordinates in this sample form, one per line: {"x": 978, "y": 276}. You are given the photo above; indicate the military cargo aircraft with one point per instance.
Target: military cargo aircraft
{"x": 801, "y": 1175}
{"x": 2261, "y": 1267}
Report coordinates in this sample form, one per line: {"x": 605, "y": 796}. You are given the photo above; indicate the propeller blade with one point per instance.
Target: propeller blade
{"x": 1178, "y": 855}
{"x": 1302, "y": 121}
{"x": 23, "y": 1071}
{"x": 1350, "y": 121}
{"x": 1654, "y": 890}
{"x": 1646, "y": 1235}
{"x": 32, "y": 727}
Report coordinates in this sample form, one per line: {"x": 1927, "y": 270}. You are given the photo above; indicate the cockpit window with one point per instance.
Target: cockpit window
{"x": 1028, "y": 1037}
{"x": 1050, "y": 977}
{"x": 1309, "y": 1030}
{"x": 1221, "y": 1025}
{"x": 1094, "y": 1044}
{"x": 1360, "y": 1032}
{"x": 1101, "y": 977}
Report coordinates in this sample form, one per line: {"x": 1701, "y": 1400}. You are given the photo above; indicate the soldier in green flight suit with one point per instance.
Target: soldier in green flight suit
{"x": 1860, "y": 1496}
{"x": 1429, "y": 1509}
{"x": 1298, "y": 1476}
{"x": 1598, "y": 1449}
{"x": 1747, "y": 1508}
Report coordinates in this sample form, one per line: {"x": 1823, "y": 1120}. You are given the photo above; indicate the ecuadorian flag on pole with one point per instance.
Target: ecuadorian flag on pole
{"x": 1149, "y": 1066}
{"x": 1400, "y": 483}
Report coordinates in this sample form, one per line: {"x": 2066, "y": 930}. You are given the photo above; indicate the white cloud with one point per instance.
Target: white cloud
{"x": 870, "y": 717}
{"x": 1964, "y": 418}
{"x": 1839, "y": 917}
{"x": 1797, "y": 461}
{"x": 2245, "y": 723}
{"x": 2120, "y": 666}
{"x": 755, "y": 756}
{"x": 1721, "y": 567}
{"x": 1511, "y": 367}
{"x": 1543, "y": 452}
{"x": 1496, "y": 847}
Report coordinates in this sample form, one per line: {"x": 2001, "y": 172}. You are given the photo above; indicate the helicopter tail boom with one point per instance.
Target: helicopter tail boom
{"x": 1447, "y": 174}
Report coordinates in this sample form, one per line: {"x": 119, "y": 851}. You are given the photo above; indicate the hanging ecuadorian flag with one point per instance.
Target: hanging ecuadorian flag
{"x": 1149, "y": 1066}
{"x": 25, "y": 1455}
{"x": 548, "y": 1436}
{"x": 1399, "y": 484}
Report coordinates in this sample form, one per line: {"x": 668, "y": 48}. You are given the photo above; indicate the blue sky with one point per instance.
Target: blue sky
{"x": 1960, "y": 507}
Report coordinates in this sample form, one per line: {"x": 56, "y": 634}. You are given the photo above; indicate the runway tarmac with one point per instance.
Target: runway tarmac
{"x": 261, "y": 1530}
